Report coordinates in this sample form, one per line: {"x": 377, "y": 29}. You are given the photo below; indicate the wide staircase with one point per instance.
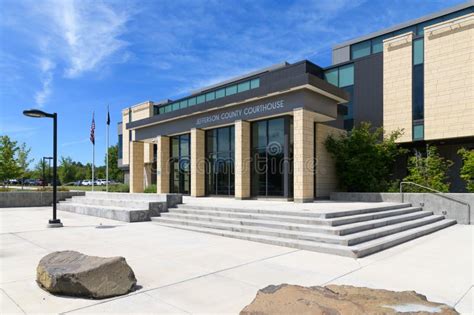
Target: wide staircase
{"x": 120, "y": 206}
{"x": 349, "y": 232}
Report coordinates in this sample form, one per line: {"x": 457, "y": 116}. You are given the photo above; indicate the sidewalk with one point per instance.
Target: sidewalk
{"x": 186, "y": 272}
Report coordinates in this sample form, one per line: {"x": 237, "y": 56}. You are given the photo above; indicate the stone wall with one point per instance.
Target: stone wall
{"x": 303, "y": 160}
{"x": 397, "y": 85}
{"x": 442, "y": 204}
{"x": 242, "y": 160}
{"x": 449, "y": 79}
{"x": 33, "y": 198}
{"x": 198, "y": 163}
{"x": 326, "y": 179}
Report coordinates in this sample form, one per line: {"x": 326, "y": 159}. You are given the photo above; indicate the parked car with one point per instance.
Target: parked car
{"x": 86, "y": 182}
{"x": 13, "y": 182}
{"x": 78, "y": 183}
{"x": 30, "y": 182}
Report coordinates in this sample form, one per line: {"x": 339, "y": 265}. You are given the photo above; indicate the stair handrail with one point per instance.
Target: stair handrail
{"x": 438, "y": 193}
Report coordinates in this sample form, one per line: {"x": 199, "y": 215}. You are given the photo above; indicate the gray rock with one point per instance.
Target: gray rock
{"x": 75, "y": 274}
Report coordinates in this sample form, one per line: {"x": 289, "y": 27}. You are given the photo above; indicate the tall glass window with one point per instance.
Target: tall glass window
{"x": 332, "y": 76}
{"x": 220, "y": 175}
{"x": 418, "y": 51}
{"x": 180, "y": 177}
{"x": 120, "y": 146}
{"x": 272, "y": 157}
{"x": 346, "y": 75}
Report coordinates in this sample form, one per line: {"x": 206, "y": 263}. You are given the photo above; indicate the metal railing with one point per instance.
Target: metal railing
{"x": 438, "y": 193}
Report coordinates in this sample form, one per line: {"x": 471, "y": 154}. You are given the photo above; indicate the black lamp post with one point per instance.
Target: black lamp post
{"x": 49, "y": 169}
{"x": 36, "y": 113}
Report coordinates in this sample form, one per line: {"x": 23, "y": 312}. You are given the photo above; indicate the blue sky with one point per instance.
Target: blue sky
{"x": 76, "y": 57}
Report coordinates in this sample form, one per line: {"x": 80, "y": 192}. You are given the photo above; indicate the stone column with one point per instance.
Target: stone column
{"x": 242, "y": 164}
{"x": 303, "y": 161}
{"x": 198, "y": 163}
{"x": 137, "y": 167}
{"x": 163, "y": 165}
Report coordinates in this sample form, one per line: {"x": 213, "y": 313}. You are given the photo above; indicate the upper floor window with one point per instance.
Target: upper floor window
{"x": 360, "y": 49}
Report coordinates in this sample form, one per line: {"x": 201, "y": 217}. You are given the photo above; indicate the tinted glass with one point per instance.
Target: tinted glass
{"x": 244, "y": 86}
{"x": 183, "y": 104}
{"x": 192, "y": 101}
{"x": 200, "y": 99}
{"x": 210, "y": 96}
{"x": 276, "y": 132}
{"x": 360, "y": 49}
{"x": 255, "y": 83}
{"x": 184, "y": 144}
{"x": 418, "y": 92}
{"x": 331, "y": 76}
{"x": 418, "y": 132}
{"x": 223, "y": 143}
{"x": 220, "y": 93}
{"x": 231, "y": 90}
{"x": 418, "y": 51}
{"x": 377, "y": 45}
{"x": 175, "y": 106}
{"x": 346, "y": 75}
{"x": 175, "y": 147}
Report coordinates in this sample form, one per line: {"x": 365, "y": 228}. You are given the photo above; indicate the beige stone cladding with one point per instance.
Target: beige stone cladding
{"x": 449, "y": 78}
{"x": 397, "y": 85}
{"x": 326, "y": 179}
{"x": 125, "y": 137}
{"x": 303, "y": 162}
{"x": 136, "y": 112}
{"x": 198, "y": 163}
{"x": 142, "y": 111}
{"x": 242, "y": 159}
{"x": 162, "y": 165}
{"x": 136, "y": 167}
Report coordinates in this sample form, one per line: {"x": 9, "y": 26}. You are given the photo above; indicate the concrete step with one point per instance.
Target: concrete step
{"x": 382, "y": 243}
{"x": 296, "y": 219}
{"x": 109, "y": 212}
{"x": 125, "y": 203}
{"x": 314, "y": 228}
{"x": 126, "y": 196}
{"x": 351, "y": 239}
{"x": 298, "y": 213}
{"x": 357, "y": 251}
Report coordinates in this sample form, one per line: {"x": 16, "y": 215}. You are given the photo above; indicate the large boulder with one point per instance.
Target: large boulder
{"x": 75, "y": 274}
{"x": 340, "y": 299}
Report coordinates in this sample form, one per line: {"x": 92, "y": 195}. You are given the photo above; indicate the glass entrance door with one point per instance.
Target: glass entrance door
{"x": 180, "y": 177}
{"x": 220, "y": 161}
{"x": 271, "y": 157}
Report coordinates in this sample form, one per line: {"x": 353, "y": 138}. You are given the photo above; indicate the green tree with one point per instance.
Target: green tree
{"x": 66, "y": 170}
{"x": 364, "y": 158}
{"x": 430, "y": 170}
{"x": 115, "y": 173}
{"x": 467, "y": 169}
{"x": 9, "y": 168}
{"x": 23, "y": 160}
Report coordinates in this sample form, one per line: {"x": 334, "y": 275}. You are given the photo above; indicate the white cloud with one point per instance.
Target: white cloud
{"x": 46, "y": 67}
{"x": 90, "y": 32}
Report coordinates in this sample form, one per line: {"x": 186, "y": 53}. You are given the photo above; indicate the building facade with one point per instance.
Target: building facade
{"x": 262, "y": 135}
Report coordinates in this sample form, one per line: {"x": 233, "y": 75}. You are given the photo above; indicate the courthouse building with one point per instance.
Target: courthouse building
{"x": 261, "y": 135}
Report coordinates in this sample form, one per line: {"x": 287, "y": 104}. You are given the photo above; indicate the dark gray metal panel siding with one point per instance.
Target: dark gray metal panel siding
{"x": 368, "y": 90}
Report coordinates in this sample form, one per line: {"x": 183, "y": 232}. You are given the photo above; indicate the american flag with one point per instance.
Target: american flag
{"x": 93, "y": 130}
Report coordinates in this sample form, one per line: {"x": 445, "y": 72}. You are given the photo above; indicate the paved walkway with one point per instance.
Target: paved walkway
{"x": 186, "y": 272}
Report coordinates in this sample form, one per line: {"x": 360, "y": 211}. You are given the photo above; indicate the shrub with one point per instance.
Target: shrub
{"x": 119, "y": 188}
{"x": 430, "y": 171}
{"x": 150, "y": 189}
{"x": 50, "y": 188}
{"x": 364, "y": 158}
{"x": 467, "y": 169}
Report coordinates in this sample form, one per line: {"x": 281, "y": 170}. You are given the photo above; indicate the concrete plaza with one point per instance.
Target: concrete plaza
{"x": 187, "y": 272}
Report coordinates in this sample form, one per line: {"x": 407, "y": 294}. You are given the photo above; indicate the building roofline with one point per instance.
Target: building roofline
{"x": 241, "y": 77}
{"x": 409, "y": 23}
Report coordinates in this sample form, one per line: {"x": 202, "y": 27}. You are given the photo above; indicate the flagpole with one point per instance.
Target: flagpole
{"x": 93, "y": 162}
{"x": 107, "y": 154}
